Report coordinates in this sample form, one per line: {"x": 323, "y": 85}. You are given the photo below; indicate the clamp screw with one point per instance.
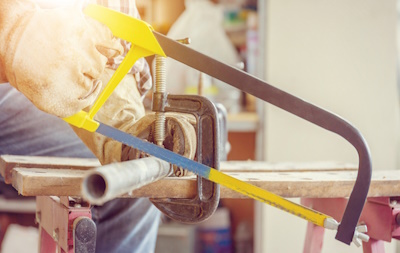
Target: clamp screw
{"x": 160, "y": 87}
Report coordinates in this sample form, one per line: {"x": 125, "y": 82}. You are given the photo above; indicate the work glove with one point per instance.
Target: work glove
{"x": 124, "y": 110}
{"x": 53, "y": 56}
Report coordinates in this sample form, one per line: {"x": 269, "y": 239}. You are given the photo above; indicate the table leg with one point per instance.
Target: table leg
{"x": 373, "y": 246}
{"x": 47, "y": 243}
{"x": 314, "y": 238}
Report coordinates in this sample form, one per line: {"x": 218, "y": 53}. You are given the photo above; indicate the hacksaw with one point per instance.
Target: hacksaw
{"x": 146, "y": 42}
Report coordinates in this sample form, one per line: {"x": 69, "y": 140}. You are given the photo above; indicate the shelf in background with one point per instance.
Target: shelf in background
{"x": 19, "y": 205}
{"x": 243, "y": 122}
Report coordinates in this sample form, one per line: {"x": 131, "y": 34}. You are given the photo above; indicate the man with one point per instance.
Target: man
{"x": 58, "y": 60}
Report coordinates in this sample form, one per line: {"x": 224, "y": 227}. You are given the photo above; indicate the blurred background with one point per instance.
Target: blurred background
{"x": 341, "y": 55}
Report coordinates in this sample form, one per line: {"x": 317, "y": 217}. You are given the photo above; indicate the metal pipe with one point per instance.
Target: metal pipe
{"x": 113, "y": 180}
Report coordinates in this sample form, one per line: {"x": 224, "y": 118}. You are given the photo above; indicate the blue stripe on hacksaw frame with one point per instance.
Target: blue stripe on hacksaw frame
{"x": 151, "y": 149}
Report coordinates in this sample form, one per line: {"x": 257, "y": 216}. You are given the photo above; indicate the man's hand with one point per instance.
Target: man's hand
{"x": 124, "y": 110}
{"x": 54, "y": 56}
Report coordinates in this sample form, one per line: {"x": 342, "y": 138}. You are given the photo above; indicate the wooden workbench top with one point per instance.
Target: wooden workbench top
{"x": 33, "y": 176}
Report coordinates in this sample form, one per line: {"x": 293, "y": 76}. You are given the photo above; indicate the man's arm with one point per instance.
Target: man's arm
{"x": 54, "y": 56}
{"x": 9, "y": 10}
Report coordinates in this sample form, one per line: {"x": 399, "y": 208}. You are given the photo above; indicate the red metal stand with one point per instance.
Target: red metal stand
{"x": 380, "y": 214}
{"x": 57, "y": 220}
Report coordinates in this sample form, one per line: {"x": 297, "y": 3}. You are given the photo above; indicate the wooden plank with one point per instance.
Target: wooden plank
{"x": 8, "y": 162}
{"x": 260, "y": 166}
{"x": 60, "y": 182}
{"x": 321, "y": 184}
{"x": 318, "y": 184}
{"x": 47, "y": 182}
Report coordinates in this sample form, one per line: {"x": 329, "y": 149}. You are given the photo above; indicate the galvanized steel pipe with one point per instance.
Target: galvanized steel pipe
{"x": 113, "y": 180}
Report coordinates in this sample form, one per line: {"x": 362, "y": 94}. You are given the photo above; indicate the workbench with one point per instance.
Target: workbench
{"x": 323, "y": 186}
{"x": 53, "y": 176}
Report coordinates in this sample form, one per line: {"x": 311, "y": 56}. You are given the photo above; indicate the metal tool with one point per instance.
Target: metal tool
{"x": 110, "y": 181}
{"x": 207, "y": 152}
{"x": 204, "y": 204}
{"x": 147, "y": 42}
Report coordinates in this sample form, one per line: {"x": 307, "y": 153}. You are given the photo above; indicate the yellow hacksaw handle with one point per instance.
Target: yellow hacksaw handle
{"x": 143, "y": 43}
